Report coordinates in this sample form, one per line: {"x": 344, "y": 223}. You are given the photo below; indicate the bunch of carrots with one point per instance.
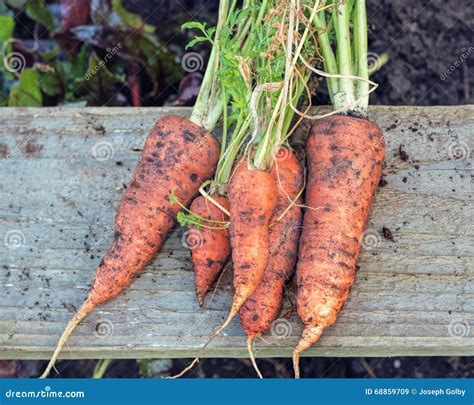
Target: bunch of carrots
{"x": 249, "y": 196}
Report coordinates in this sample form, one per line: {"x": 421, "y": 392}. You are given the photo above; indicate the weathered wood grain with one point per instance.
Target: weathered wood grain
{"x": 58, "y": 195}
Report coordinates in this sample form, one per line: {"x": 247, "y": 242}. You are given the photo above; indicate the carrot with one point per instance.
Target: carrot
{"x": 345, "y": 154}
{"x": 273, "y": 62}
{"x": 178, "y": 157}
{"x": 213, "y": 249}
{"x": 261, "y": 309}
{"x": 345, "y": 164}
{"x": 252, "y": 200}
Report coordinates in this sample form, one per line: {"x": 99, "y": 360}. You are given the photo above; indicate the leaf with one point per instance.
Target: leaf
{"x": 195, "y": 41}
{"x": 27, "y": 93}
{"x": 50, "y": 83}
{"x": 207, "y": 32}
{"x": 3, "y": 98}
{"x": 74, "y": 13}
{"x": 7, "y": 26}
{"x": 38, "y": 12}
{"x": 188, "y": 90}
{"x": 157, "y": 61}
{"x": 100, "y": 83}
{"x": 50, "y": 55}
{"x": 126, "y": 16}
{"x": 80, "y": 63}
{"x": 193, "y": 24}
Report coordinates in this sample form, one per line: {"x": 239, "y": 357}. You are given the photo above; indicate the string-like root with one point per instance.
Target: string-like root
{"x": 234, "y": 311}
{"x": 250, "y": 341}
{"x": 308, "y": 338}
{"x": 83, "y": 311}
{"x": 296, "y": 363}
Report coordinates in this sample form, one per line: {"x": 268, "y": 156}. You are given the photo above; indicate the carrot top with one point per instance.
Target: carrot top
{"x": 259, "y": 67}
{"x": 342, "y": 33}
{"x": 208, "y": 107}
{"x": 265, "y": 78}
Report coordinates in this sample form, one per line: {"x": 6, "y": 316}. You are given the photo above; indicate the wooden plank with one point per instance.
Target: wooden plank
{"x": 62, "y": 175}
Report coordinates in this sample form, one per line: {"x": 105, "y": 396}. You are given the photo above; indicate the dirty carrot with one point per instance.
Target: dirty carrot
{"x": 252, "y": 198}
{"x": 213, "y": 247}
{"x": 344, "y": 155}
{"x": 232, "y": 89}
{"x": 263, "y": 106}
{"x": 178, "y": 156}
{"x": 263, "y": 306}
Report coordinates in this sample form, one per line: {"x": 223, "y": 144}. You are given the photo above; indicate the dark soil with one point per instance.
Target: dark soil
{"x": 316, "y": 367}
{"x": 430, "y": 43}
{"x": 426, "y": 40}
{"x": 431, "y": 62}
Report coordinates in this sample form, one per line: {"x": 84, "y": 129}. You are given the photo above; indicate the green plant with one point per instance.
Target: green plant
{"x": 110, "y": 59}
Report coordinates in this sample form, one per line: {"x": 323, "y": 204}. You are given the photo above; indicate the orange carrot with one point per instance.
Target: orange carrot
{"x": 261, "y": 309}
{"x": 345, "y": 157}
{"x": 213, "y": 249}
{"x": 178, "y": 157}
{"x": 252, "y": 200}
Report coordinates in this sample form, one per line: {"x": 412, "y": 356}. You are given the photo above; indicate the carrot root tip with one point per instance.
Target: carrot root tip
{"x": 296, "y": 363}
{"x": 250, "y": 342}
{"x": 180, "y": 374}
{"x": 200, "y": 297}
{"x": 83, "y": 311}
{"x": 308, "y": 338}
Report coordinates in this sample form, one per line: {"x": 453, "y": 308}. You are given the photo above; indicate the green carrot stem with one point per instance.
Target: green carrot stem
{"x": 346, "y": 95}
{"x": 361, "y": 48}
{"x": 204, "y": 108}
{"x": 330, "y": 63}
{"x": 224, "y": 169}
